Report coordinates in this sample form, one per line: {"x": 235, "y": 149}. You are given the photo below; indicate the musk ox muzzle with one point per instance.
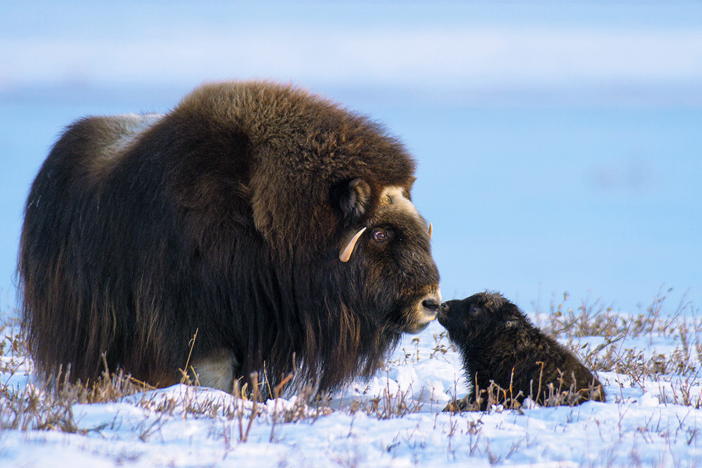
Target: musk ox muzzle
{"x": 275, "y": 224}
{"x": 427, "y": 311}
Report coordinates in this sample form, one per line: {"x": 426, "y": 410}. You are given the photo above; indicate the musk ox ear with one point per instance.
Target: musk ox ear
{"x": 353, "y": 198}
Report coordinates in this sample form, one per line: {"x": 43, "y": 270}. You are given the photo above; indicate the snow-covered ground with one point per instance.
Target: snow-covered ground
{"x": 393, "y": 420}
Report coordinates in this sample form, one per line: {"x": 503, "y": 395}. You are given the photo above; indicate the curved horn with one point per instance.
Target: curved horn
{"x": 431, "y": 230}
{"x": 345, "y": 254}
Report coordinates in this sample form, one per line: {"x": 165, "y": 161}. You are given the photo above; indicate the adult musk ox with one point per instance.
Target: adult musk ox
{"x": 499, "y": 344}
{"x": 275, "y": 223}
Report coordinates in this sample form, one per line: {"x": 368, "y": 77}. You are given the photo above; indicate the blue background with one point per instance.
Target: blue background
{"x": 559, "y": 144}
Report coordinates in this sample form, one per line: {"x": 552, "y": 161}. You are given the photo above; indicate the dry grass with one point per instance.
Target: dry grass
{"x": 496, "y": 398}
{"x": 30, "y": 406}
{"x": 618, "y": 352}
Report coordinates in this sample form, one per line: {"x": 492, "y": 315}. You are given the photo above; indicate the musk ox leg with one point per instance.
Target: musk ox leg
{"x": 216, "y": 370}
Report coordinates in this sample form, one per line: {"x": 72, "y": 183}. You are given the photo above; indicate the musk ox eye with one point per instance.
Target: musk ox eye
{"x": 474, "y": 310}
{"x": 380, "y": 235}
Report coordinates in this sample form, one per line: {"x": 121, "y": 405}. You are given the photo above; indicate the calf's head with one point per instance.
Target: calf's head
{"x": 480, "y": 317}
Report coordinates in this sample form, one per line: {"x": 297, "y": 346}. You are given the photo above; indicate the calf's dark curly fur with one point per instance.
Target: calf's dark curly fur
{"x": 499, "y": 344}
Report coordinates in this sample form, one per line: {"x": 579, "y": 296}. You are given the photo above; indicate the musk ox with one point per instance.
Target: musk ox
{"x": 274, "y": 223}
{"x": 498, "y": 343}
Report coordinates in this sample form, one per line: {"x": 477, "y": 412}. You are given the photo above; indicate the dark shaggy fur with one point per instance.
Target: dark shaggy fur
{"x": 499, "y": 344}
{"x": 225, "y": 216}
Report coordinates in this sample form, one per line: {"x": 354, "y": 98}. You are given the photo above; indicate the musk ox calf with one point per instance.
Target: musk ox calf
{"x": 274, "y": 223}
{"x": 499, "y": 344}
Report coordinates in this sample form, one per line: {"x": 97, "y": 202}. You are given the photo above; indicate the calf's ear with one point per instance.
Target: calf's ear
{"x": 353, "y": 199}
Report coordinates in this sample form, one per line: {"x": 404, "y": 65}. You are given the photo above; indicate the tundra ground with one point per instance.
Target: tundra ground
{"x": 648, "y": 361}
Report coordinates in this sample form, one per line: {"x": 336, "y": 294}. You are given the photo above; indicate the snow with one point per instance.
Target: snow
{"x": 638, "y": 426}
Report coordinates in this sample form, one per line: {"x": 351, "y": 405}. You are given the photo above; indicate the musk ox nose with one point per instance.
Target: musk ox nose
{"x": 431, "y": 304}
{"x": 425, "y": 312}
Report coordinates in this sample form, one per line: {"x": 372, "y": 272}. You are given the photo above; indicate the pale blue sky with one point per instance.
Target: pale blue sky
{"x": 559, "y": 143}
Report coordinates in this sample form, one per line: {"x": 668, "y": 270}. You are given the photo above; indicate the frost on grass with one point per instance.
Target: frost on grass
{"x": 649, "y": 362}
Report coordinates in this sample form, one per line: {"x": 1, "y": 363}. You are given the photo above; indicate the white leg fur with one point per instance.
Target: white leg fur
{"x": 216, "y": 370}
